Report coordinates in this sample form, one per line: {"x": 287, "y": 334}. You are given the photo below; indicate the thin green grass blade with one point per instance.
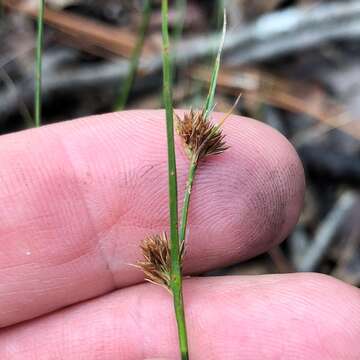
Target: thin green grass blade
{"x": 135, "y": 57}
{"x": 209, "y": 104}
{"x": 176, "y": 276}
{"x": 219, "y": 13}
{"x": 167, "y": 95}
{"x": 38, "y": 62}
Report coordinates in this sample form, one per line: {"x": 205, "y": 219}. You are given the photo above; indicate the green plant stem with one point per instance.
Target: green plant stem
{"x": 180, "y": 318}
{"x": 186, "y": 204}
{"x": 38, "y": 61}
{"x": 219, "y": 13}
{"x": 209, "y": 104}
{"x": 194, "y": 159}
{"x": 178, "y": 301}
{"x": 135, "y": 57}
{"x": 176, "y": 276}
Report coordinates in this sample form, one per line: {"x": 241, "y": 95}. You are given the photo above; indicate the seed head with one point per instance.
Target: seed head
{"x": 201, "y": 137}
{"x": 157, "y": 260}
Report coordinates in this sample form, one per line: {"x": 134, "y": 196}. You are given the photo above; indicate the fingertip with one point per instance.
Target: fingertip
{"x": 262, "y": 182}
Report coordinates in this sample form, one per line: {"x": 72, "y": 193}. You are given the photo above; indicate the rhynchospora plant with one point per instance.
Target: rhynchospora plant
{"x": 163, "y": 255}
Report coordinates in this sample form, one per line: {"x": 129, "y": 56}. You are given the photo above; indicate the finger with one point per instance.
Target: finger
{"x": 300, "y": 316}
{"x": 77, "y": 198}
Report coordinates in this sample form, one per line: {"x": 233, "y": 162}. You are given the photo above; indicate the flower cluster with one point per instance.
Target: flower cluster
{"x": 157, "y": 259}
{"x": 201, "y": 137}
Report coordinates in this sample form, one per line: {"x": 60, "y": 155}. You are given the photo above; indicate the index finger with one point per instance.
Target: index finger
{"x": 78, "y": 197}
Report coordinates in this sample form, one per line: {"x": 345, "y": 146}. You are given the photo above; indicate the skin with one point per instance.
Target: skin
{"x": 76, "y": 199}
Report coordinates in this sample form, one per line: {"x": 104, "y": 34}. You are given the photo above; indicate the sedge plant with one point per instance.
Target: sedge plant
{"x": 38, "y": 62}
{"x": 135, "y": 57}
{"x": 163, "y": 256}
{"x": 176, "y": 252}
{"x": 201, "y": 138}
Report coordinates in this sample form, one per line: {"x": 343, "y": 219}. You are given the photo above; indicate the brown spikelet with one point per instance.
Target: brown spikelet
{"x": 157, "y": 260}
{"x": 201, "y": 137}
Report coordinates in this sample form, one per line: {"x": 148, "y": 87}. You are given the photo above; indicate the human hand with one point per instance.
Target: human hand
{"x": 77, "y": 198}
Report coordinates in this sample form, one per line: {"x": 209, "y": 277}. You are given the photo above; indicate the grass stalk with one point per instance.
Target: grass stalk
{"x": 187, "y": 195}
{"x": 176, "y": 276}
{"x": 38, "y": 62}
{"x": 209, "y": 104}
{"x": 219, "y": 12}
{"x": 163, "y": 257}
{"x": 135, "y": 57}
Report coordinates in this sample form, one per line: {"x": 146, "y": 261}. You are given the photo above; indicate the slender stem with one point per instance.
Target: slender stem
{"x": 180, "y": 318}
{"x": 185, "y": 209}
{"x": 219, "y": 13}
{"x": 209, "y": 104}
{"x": 176, "y": 277}
{"x": 38, "y": 65}
{"x": 179, "y": 307}
{"x": 167, "y": 93}
{"x": 135, "y": 57}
